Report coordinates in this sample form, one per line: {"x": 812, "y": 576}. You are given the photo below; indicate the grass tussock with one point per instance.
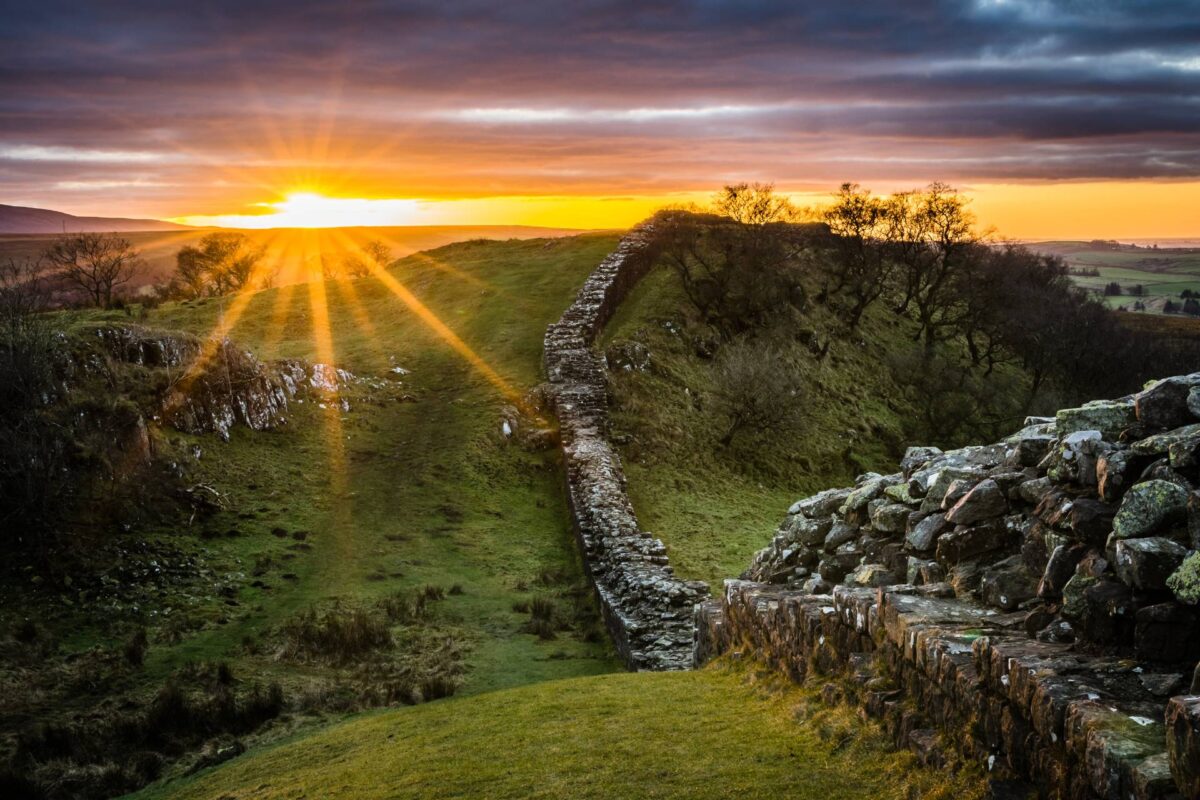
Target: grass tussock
{"x": 336, "y": 634}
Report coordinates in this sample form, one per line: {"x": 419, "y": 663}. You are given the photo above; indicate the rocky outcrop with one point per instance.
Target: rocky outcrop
{"x": 211, "y": 388}
{"x": 647, "y": 610}
{"x": 1032, "y": 601}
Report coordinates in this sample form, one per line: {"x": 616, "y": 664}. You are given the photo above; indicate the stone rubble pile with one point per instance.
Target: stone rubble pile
{"x": 648, "y": 611}
{"x": 1033, "y": 600}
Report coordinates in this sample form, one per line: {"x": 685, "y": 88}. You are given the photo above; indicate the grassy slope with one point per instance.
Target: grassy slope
{"x": 714, "y": 508}
{"x": 708, "y": 734}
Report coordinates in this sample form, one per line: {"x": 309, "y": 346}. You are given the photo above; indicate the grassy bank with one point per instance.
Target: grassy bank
{"x": 710, "y": 734}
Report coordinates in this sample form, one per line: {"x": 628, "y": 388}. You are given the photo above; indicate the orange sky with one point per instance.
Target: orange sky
{"x": 1066, "y": 210}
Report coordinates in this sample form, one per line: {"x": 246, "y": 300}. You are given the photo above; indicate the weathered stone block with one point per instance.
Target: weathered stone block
{"x": 968, "y": 542}
{"x": 1109, "y": 417}
{"x": 1167, "y": 632}
{"x": 1060, "y": 568}
{"x": 1183, "y": 743}
{"x": 890, "y": 517}
{"x": 923, "y": 535}
{"x": 1164, "y": 404}
{"x": 985, "y": 501}
{"x": 1008, "y": 584}
{"x": 1147, "y": 563}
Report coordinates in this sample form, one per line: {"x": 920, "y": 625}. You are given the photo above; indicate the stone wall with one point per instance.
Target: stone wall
{"x": 1028, "y": 605}
{"x": 648, "y": 611}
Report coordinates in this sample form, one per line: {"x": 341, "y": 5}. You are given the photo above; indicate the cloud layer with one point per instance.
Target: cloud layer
{"x": 218, "y": 101}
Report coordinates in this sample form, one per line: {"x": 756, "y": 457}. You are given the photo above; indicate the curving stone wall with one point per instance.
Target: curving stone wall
{"x": 648, "y": 611}
{"x": 1029, "y": 605}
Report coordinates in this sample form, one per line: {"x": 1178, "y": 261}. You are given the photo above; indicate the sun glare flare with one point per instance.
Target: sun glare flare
{"x": 313, "y": 210}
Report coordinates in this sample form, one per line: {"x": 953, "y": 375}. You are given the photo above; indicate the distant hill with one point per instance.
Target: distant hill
{"x": 19, "y": 219}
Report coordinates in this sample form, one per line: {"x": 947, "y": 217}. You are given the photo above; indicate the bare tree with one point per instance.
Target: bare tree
{"x": 753, "y": 204}
{"x": 756, "y": 390}
{"x": 363, "y": 261}
{"x": 931, "y": 236}
{"x": 378, "y": 251}
{"x": 95, "y": 263}
{"x": 860, "y": 269}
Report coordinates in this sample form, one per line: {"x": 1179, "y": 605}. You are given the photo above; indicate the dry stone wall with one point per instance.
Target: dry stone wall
{"x": 1029, "y": 605}
{"x": 648, "y": 611}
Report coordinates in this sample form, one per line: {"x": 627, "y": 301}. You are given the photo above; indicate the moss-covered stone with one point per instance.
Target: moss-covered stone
{"x": 1185, "y": 581}
{"x": 1110, "y": 417}
{"x": 1148, "y": 507}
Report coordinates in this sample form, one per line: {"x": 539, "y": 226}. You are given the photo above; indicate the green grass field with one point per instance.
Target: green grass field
{"x": 715, "y": 733}
{"x": 1163, "y": 273}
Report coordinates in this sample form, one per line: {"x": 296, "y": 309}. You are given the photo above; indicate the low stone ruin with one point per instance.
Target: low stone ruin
{"x": 647, "y": 610}
{"x": 1031, "y": 603}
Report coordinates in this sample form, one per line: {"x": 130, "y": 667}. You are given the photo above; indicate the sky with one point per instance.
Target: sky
{"x": 1078, "y": 118}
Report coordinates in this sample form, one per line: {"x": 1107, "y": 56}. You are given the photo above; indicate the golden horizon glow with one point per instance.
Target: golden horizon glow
{"x": 1026, "y": 211}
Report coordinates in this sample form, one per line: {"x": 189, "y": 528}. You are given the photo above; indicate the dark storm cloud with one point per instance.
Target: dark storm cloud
{"x": 1013, "y": 90}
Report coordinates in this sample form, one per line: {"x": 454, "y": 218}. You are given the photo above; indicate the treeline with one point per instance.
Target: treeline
{"x": 995, "y": 330}
{"x": 97, "y": 269}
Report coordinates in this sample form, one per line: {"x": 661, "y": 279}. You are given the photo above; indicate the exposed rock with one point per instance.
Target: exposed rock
{"x": 1149, "y": 507}
{"x": 1147, "y": 563}
{"x": 1091, "y": 520}
{"x": 984, "y": 501}
{"x": 1034, "y": 489}
{"x": 807, "y": 531}
{"x": 1031, "y": 446}
{"x": 872, "y": 575}
{"x": 1193, "y": 519}
{"x": 1075, "y": 459}
{"x": 839, "y": 534}
{"x": 1160, "y": 443}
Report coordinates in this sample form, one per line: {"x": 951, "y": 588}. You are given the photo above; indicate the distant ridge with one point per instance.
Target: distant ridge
{"x": 19, "y": 219}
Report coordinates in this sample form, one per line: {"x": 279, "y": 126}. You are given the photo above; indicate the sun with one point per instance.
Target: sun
{"x": 308, "y": 209}
{"x": 312, "y": 210}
